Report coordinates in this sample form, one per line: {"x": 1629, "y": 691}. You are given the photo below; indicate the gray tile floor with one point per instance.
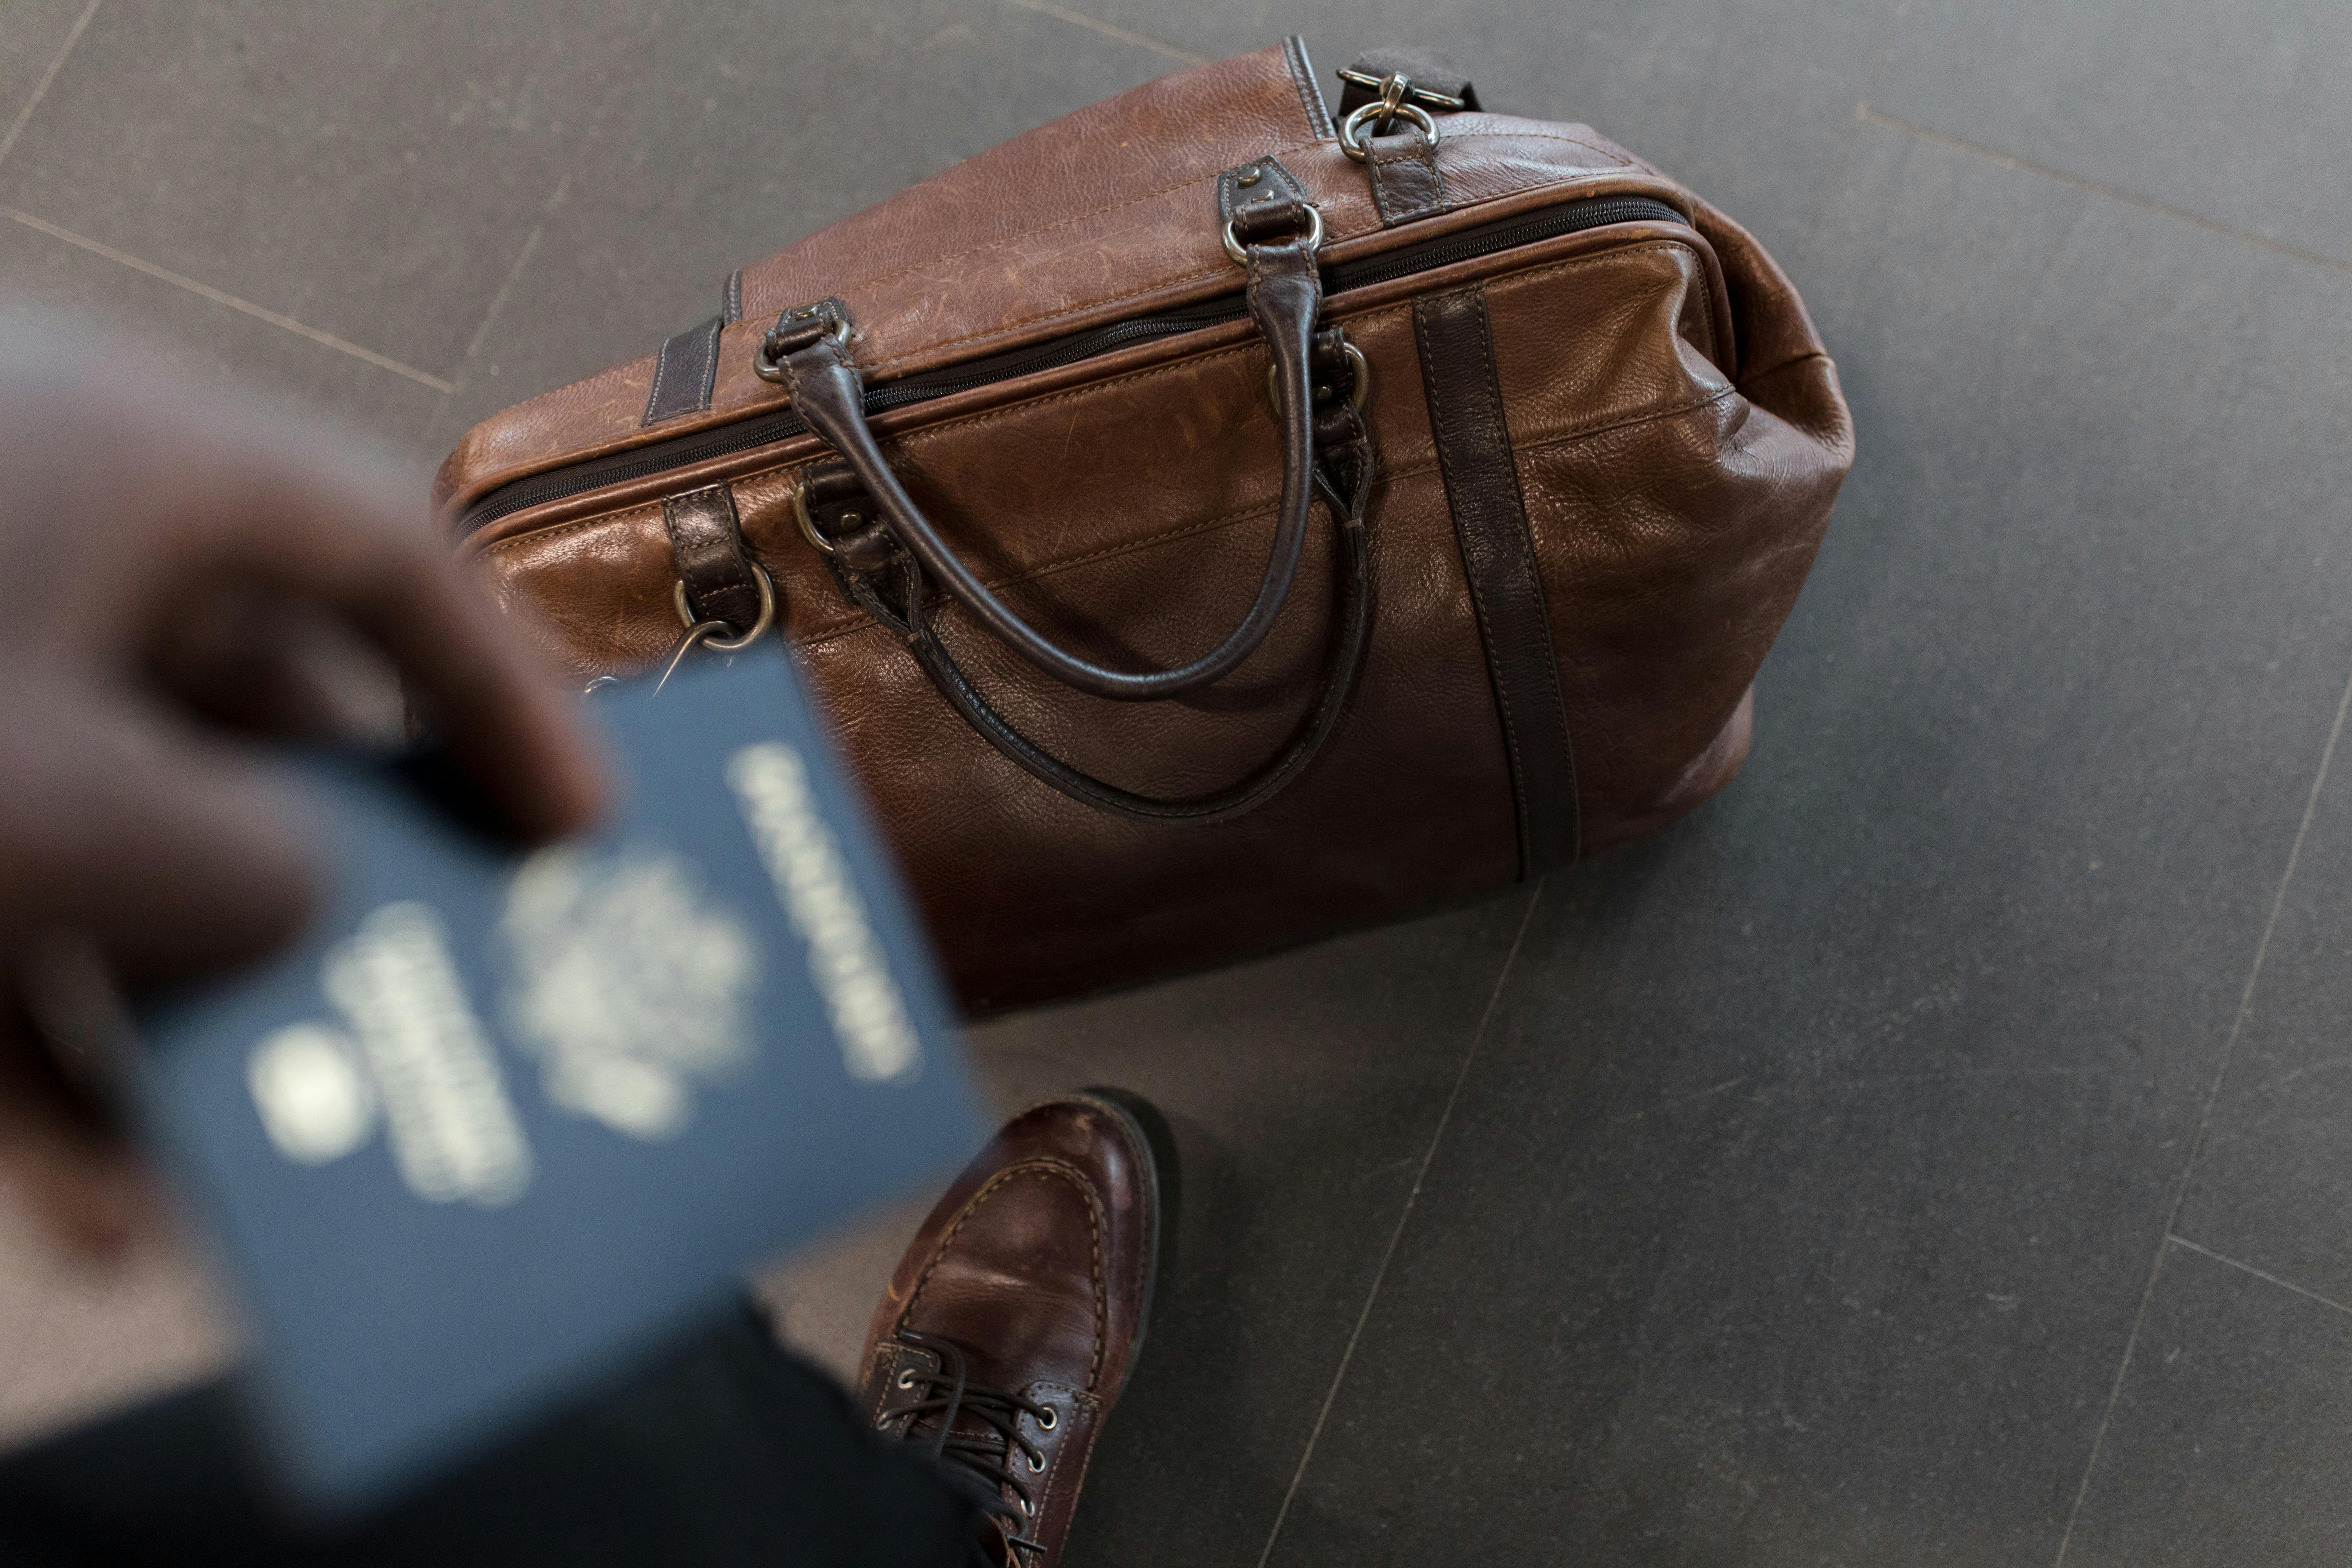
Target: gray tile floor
{"x": 1940, "y": 1150}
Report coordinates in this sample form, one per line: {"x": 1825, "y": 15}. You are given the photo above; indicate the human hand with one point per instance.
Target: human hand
{"x": 179, "y": 585}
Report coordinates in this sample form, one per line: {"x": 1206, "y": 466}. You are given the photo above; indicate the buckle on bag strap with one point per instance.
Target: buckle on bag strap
{"x": 1394, "y": 87}
{"x": 1386, "y": 126}
{"x": 1435, "y": 82}
{"x": 1264, "y": 204}
{"x": 796, "y": 327}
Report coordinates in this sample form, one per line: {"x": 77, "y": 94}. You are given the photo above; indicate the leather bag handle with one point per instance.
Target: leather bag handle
{"x": 806, "y": 351}
{"x": 1344, "y": 478}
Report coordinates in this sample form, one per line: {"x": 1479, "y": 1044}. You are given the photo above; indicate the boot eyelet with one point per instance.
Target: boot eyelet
{"x": 906, "y": 1378}
{"x": 1046, "y": 1422}
{"x": 1037, "y": 1464}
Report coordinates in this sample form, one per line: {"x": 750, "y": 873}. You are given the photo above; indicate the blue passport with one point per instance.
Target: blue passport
{"x": 500, "y": 1120}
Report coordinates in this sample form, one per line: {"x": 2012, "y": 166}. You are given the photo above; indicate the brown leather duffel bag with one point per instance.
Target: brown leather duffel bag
{"x": 1210, "y": 524}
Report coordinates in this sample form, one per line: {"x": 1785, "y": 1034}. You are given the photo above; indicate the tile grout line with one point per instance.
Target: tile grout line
{"x": 1048, "y": 8}
{"x": 219, "y": 298}
{"x": 1340, "y": 1376}
{"x": 2204, "y": 1119}
{"x": 57, "y": 64}
{"x": 1826, "y": 195}
{"x": 2249, "y": 1268}
{"x": 499, "y": 301}
{"x": 1869, "y": 116}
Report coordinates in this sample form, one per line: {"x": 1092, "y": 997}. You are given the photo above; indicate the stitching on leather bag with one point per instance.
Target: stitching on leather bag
{"x": 1530, "y": 575}
{"x": 1310, "y": 95}
{"x": 1749, "y": 377}
{"x": 1470, "y": 578}
{"x": 1487, "y": 364}
{"x": 835, "y": 630}
{"x": 881, "y": 365}
{"x": 1417, "y": 153}
{"x": 826, "y": 631}
{"x": 661, "y": 372}
{"x": 854, "y": 623}
{"x": 1604, "y": 426}
{"x": 1615, "y": 160}
{"x": 1706, "y": 318}
{"x": 1194, "y": 179}
{"x": 1164, "y": 536}
{"x": 647, "y": 508}
{"x": 1190, "y": 179}
{"x": 1163, "y": 285}
{"x": 1395, "y": 206}
{"x": 1047, "y": 400}
{"x": 981, "y": 419}
{"x": 857, "y": 623}
{"x": 1549, "y": 270}
{"x": 1077, "y": 1178}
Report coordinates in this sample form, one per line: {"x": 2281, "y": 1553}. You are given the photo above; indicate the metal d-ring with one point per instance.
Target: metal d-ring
{"x": 1352, "y": 143}
{"x": 759, "y": 628}
{"x": 808, "y": 524}
{"x": 1314, "y": 235}
{"x": 704, "y": 634}
{"x": 763, "y": 364}
{"x": 1357, "y": 394}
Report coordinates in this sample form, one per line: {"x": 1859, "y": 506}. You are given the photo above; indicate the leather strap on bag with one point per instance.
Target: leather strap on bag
{"x": 893, "y": 591}
{"x": 1285, "y": 294}
{"x": 1387, "y": 125}
{"x": 706, "y": 544}
{"x": 1490, "y": 520}
{"x": 684, "y": 373}
{"x": 1269, "y": 227}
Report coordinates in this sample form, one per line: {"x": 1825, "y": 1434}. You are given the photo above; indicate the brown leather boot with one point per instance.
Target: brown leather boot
{"x": 1010, "y": 1326}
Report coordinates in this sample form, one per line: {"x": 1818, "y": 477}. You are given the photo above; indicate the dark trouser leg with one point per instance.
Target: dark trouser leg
{"x": 727, "y": 1451}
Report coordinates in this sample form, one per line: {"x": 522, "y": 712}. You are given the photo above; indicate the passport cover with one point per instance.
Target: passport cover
{"x": 500, "y": 1119}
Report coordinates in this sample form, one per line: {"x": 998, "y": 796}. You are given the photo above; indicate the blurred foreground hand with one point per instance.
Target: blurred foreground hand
{"x": 179, "y": 585}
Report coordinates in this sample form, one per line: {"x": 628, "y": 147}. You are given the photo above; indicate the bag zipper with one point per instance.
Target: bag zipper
{"x": 765, "y": 429}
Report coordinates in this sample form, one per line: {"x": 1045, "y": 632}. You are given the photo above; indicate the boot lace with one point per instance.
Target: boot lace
{"x": 947, "y": 1395}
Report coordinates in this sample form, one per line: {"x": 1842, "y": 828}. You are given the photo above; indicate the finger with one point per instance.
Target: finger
{"x": 92, "y": 1198}
{"x": 125, "y": 503}
{"x": 268, "y": 665}
{"x": 499, "y": 710}
{"x": 174, "y": 854}
{"x": 78, "y": 1177}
